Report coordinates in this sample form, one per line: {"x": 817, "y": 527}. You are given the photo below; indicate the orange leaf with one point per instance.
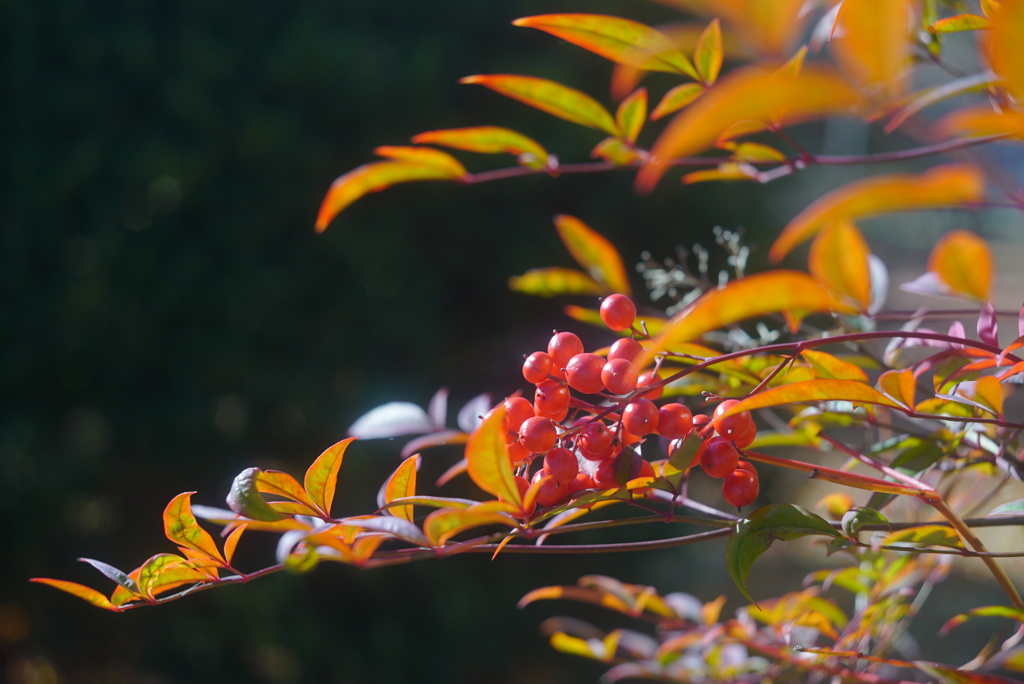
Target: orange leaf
{"x": 548, "y": 96}
{"x": 402, "y": 483}
{"x": 622, "y": 41}
{"x": 871, "y": 42}
{"x": 839, "y": 261}
{"x": 988, "y": 392}
{"x": 707, "y": 58}
{"x": 791, "y": 292}
{"x": 981, "y": 120}
{"x": 231, "y": 543}
{"x": 488, "y": 461}
{"x": 486, "y": 140}
{"x": 752, "y": 152}
{"x": 631, "y": 114}
{"x": 676, "y": 99}
{"x": 810, "y": 391}
{"x": 282, "y": 484}
{"x": 552, "y": 282}
{"x": 424, "y": 156}
{"x": 961, "y": 22}
{"x": 942, "y": 186}
{"x": 616, "y": 151}
{"x": 827, "y": 366}
{"x": 372, "y": 177}
{"x": 900, "y": 385}
{"x": 182, "y": 528}
{"x": 754, "y": 93}
{"x": 963, "y": 263}
{"x": 442, "y": 525}
{"x": 593, "y": 252}
{"x": 1003, "y": 46}
{"x": 728, "y": 171}
{"x": 80, "y": 590}
{"x": 322, "y": 476}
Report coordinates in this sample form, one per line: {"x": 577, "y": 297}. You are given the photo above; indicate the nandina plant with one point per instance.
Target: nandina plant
{"x": 716, "y": 375}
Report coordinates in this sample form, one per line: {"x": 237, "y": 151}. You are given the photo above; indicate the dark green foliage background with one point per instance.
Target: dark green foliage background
{"x": 168, "y": 317}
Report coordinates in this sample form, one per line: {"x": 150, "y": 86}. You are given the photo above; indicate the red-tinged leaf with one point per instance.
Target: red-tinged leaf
{"x": 182, "y": 528}
{"x": 80, "y": 590}
{"x": 402, "y": 483}
{"x": 980, "y": 120}
{"x": 752, "y": 152}
{"x": 486, "y": 140}
{"x": 989, "y": 7}
{"x": 806, "y": 391}
{"x": 454, "y": 471}
{"x": 677, "y": 98}
{"x": 839, "y": 261}
{"x": 442, "y": 525}
{"x": 276, "y": 483}
{"x": 551, "y": 97}
{"x": 983, "y": 611}
{"x": 488, "y": 461}
{"x": 961, "y": 22}
{"x": 580, "y": 594}
{"x": 1015, "y": 369}
{"x": 423, "y": 156}
{"x": 988, "y": 392}
{"x": 631, "y": 115}
{"x": 753, "y": 93}
{"x": 432, "y": 440}
{"x": 829, "y": 367}
{"x": 948, "y": 675}
{"x": 988, "y": 325}
{"x": 899, "y": 385}
{"x": 166, "y": 571}
{"x": 871, "y": 42}
{"x": 231, "y": 543}
{"x": 372, "y": 177}
{"x": 594, "y": 253}
{"x": 707, "y": 58}
{"x": 322, "y": 476}
{"x": 622, "y": 41}
{"x": 943, "y": 186}
{"x": 553, "y": 282}
{"x": 433, "y": 502}
{"x": 790, "y": 292}
{"x": 1002, "y": 46}
{"x": 963, "y": 262}
{"x": 615, "y": 151}
{"x": 729, "y": 171}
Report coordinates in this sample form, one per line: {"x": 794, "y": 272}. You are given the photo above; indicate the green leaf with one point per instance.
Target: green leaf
{"x": 983, "y": 611}
{"x": 631, "y": 114}
{"x": 553, "y": 282}
{"x": 594, "y": 252}
{"x": 182, "y": 528}
{"x": 676, "y": 99}
{"x": 925, "y": 535}
{"x": 856, "y": 518}
{"x": 708, "y": 55}
{"x": 1010, "y": 508}
{"x": 80, "y": 590}
{"x": 960, "y": 22}
{"x": 755, "y": 535}
{"x": 166, "y": 571}
{"x": 322, "y": 476}
{"x": 683, "y": 457}
{"x": 245, "y": 500}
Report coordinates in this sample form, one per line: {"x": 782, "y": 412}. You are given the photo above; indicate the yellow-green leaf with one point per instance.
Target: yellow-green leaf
{"x": 615, "y": 151}
{"x": 488, "y": 461}
{"x": 942, "y": 186}
{"x": 80, "y": 590}
{"x": 373, "y": 177}
{"x": 182, "y": 528}
{"x": 925, "y": 535}
{"x": 988, "y": 392}
{"x": 677, "y": 98}
{"x": 551, "y": 282}
{"x": 960, "y": 22}
{"x": 728, "y": 171}
{"x": 752, "y": 93}
{"x": 593, "y": 252}
{"x": 402, "y": 483}
{"x": 282, "y": 484}
{"x": 963, "y": 262}
{"x": 424, "y": 156}
{"x": 1003, "y": 46}
{"x": 631, "y": 114}
{"x": 622, "y": 41}
{"x": 900, "y": 385}
{"x": 807, "y": 391}
{"x": 551, "y": 97}
{"x": 839, "y": 261}
{"x": 827, "y": 366}
{"x": 752, "y": 152}
{"x": 442, "y": 525}
{"x": 707, "y": 57}
{"x": 322, "y": 476}
{"x": 485, "y": 140}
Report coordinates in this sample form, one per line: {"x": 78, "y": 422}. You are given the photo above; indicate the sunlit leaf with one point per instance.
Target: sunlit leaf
{"x": 752, "y": 152}
{"x": 322, "y": 476}
{"x": 553, "y": 282}
{"x": 166, "y": 571}
{"x": 899, "y": 385}
{"x": 402, "y": 483}
{"x": 987, "y": 392}
{"x": 182, "y": 528}
{"x": 753, "y": 93}
{"x": 943, "y": 186}
{"x": 488, "y": 460}
{"x": 548, "y": 96}
{"x": 372, "y": 177}
{"x": 925, "y": 535}
{"x": 424, "y": 156}
{"x": 231, "y": 543}
{"x": 631, "y": 115}
{"x": 677, "y": 98}
{"x": 801, "y": 608}
{"x": 827, "y": 366}
{"x": 791, "y": 292}
{"x": 963, "y": 262}
{"x": 282, "y": 484}
{"x": 442, "y": 525}
{"x": 707, "y": 58}
{"x": 839, "y": 260}
{"x": 871, "y": 42}
{"x": 80, "y": 590}
{"x": 856, "y": 518}
{"x": 984, "y": 611}
{"x": 960, "y": 22}
{"x": 620, "y": 40}
{"x": 616, "y": 151}
{"x": 593, "y": 252}
{"x": 1002, "y": 46}
{"x": 755, "y": 534}
{"x": 729, "y": 171}
{"x": 980, "y": 121}
{"x": 486, "y": 140}
{"x": 811, "y": 391}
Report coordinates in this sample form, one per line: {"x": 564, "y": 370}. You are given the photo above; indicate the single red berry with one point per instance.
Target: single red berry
{"x": 561, "y": 464}
{"x": 538, "y": 434}
{"x": 562, "y": 347}
{"x": 674, "y": 421}
{"x": 624, "y": 348}
{"x": 581, "y": 482}
{"x": 550, "y": 492}
{"x": 595, "y": 437}
{"x": 619, "y": 376}
{"x": 718, "y": 457}
{"x": 735, "y": 425}
{"x": 537, "y": 367}
{"x": 618, "y": 312}
{"x": 699, "y": 421}
{"x": 640, "y": 417}
{"x": 583, "y": 373}
{"x": 551, "y": 399}
{"x": 518, "y": 453}
{"x": 517, "y": 409}
{"x": 740, "y": 488}
{"x": 604, "y": 475}
{"x": 646, "y": 379}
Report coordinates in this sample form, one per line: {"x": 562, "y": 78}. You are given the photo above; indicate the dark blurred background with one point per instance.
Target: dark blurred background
{"x": 168, "y": 318}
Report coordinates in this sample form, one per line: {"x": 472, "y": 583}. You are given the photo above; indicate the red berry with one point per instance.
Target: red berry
{"x": 640, "y": 417}
{"x": 561, "y": 464}
{"x": 624, "y": 348}
{"x": 737, "y": 424}
{"x": 517, "y": 409}
{"x": 604, "y": 475}
{"x": 550, "y": 492}
{"x": 562, "y": 347}
{"x": 740, "y": 487}
{"x": 646, "y": 379}
{"x": 674, "y": 421}
{"x": 551, "y": 399}
{"x": 537, "y": 367}
{"x": 583, "y": 373}
{"x": 580, "y": 482}
{"x": 718, "y": 457}
{"x": 595, "y": 437}
{"x": 618, "y": 312}
{"x": 619, "y": 376}
{"x": 538, "y": 434}
{"x": 517, "y": 453}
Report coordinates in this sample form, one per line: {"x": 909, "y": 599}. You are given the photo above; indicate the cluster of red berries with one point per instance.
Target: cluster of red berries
{"x": 588, "y": 451}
